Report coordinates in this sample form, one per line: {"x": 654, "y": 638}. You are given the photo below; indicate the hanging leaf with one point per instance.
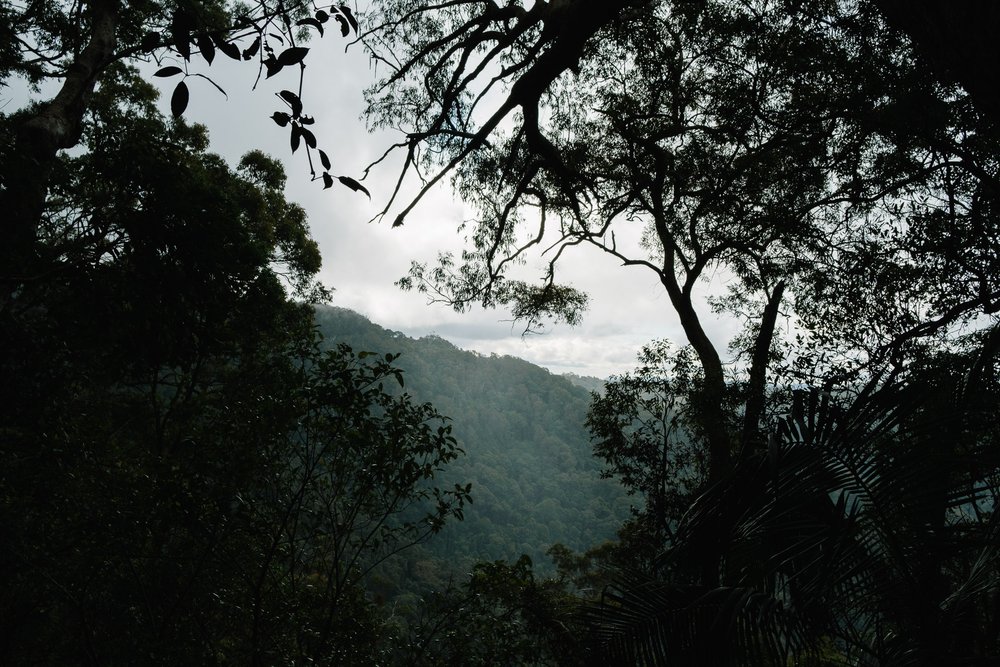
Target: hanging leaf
{"x": 354, "y": 185}
{"x": 324, "y": 160}
{"x": 229, "y": 48}
{"x": 180, "y": 33}
{"x": 281, "y": 118}
{"x": 327, "y": 180}
{"x": 206, "y": 47}
{"x": 314, "y": 23}
{"x": 293, "y": 101}
{"x": 309, "y": 137}
{"x": 278, "y": 37}
{"x": 296, "y": 137}
{"x": 169, "y": 70}
{"x": 272, "y": 66}
{"x": 307, "y": 120}
{"x": 251, "y": 50}
{"x": 179, "y": 100}
{"x": 322, "y": 16}
{"x": 293, "y": 55}
{"x": 346, "y": 11}
{"x": 345, "y": 28}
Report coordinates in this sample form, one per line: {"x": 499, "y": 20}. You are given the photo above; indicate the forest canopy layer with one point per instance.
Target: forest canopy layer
{"x": 190, "y": 475}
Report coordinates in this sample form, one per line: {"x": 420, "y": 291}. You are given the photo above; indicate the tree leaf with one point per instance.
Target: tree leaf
{"x": 345, "y": 28}
{"x": 179, "y": 100}
{"x": 307, "y": 120}
{"x": 206, "y": 47}
{"x": 229, "y": 48}
{"x": 346, "y": 11}
{"x": 281, "y": 118}
{"x": 293, "y": 55}
{"x": 169, "y": 70}
{"x": 272, "y": 66}
{"x": 327, "y": 180}
{"x": 296, "y": 137}
{"x": 322, "y": 16}
{"x": 314, "y": 23}
{"x": 293, "y": 101}
{"x": 354, "y": 185}
{"x": 251, "y": 50}
{"x": 180, "y": 33}
{"x": 309, "y": 137}
{"x": 324, "y": 160}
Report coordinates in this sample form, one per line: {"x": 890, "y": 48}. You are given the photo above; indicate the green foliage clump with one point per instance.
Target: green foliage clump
{"x": 187, "y": 478}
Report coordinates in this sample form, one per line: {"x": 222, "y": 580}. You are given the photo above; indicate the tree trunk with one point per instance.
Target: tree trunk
{"x": 758, "y": 368}
{"x": 55, "y": 125}
{"x": 710, "y": 409}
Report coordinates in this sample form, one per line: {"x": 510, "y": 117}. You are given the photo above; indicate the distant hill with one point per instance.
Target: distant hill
{"x": 528, "y": 455}
{"x": 586, "y": 382}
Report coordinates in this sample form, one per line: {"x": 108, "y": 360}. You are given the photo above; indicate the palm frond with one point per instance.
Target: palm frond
{"x": 853, "y": 525}
{"x": 644, "y": 622}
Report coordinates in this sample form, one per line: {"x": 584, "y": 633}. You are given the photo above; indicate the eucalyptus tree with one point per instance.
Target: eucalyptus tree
{"x": 797, "y": 149}
{"x": 804, "y": 152}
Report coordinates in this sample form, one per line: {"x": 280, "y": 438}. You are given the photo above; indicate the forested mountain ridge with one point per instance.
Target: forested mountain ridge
{"x": 535, "y": 481}
{"x": 587, "y": 382}
{"x": 188, "y": 478}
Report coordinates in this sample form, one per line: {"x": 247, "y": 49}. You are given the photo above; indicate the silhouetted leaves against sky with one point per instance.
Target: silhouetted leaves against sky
{"x": 179, "y": 100}
{"x": 354, "y": 185}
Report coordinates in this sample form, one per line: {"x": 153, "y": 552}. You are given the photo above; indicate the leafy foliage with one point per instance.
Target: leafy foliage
{"x": 186, "y": 478}
{"x": 353, "y": 486}
{"x": 868, "y": 525}
{"x": 80, "y": 45}
{"x": 645, "y": 432}
{"x": 502, "y": 615}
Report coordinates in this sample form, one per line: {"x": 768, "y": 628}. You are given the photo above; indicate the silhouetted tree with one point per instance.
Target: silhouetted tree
{"x": 186, "y": 478}
{"x": 804, "y": 153}
{"x": 77, "y": 44}
{"x": 787, "y": 148}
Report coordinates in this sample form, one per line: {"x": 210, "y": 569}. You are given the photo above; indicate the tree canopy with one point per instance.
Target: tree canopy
{"x": 187, "y": 477}
{"x": 801, "y": 149}
{"x": 80, "y": 46}
{"x": 838, "y": 181}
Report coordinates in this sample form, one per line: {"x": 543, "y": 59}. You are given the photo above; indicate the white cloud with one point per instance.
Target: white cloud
{"x": 363, "y": 260}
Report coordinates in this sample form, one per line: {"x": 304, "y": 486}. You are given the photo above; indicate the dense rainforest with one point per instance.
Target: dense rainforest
{"x": 202, "y": 463}
{"x": 527, "y": 454}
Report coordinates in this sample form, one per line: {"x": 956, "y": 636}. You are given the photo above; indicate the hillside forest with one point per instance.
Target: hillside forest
{"x": 203, "y": 462}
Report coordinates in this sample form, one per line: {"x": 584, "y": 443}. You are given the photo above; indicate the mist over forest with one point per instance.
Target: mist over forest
{"x": 205, "y": 462}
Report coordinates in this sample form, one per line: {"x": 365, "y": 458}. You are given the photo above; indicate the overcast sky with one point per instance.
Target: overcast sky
{"x": 362, "y": 261}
